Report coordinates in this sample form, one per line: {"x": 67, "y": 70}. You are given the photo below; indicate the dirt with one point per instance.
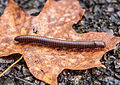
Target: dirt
{"x": 100, "y": 16}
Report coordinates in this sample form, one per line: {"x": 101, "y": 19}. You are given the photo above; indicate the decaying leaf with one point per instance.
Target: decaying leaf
{"x": 55, "y": 21}
{"x": 13, "y": 22}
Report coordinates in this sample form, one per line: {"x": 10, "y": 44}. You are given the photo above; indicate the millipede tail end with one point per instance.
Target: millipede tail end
{"x": 99, "y": 44}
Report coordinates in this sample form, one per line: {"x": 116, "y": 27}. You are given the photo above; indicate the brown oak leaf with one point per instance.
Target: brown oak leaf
{"x": 54, "y": 21}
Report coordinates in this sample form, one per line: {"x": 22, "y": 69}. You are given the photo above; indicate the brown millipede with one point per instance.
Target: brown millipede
{"x": 59, "y": 43}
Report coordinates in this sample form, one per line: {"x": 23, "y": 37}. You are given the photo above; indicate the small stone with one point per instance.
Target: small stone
{"x": 114, "y": 18}
{"x": 42, "y": 83}
{"x": 88, "y": 16}
{"x": 19, "y": 74}
{"x": 96, "y": 72}
{"x": 111, "y": 81}
{"x": 19, "y": 67}
{"x": 118, "y": 23}
{"x": 3, "y": 4}
{"x": 117, "y": 70}
{"x": 82, "y": 5}
{"x": 118, "y": 13}
{"x": 2, "y": 60}
{"x": 97, "y": 83}
{"x": 109, "y": 31}
{"x": 111, "y": 27}
{"x": 25, "y": 71}
{"x": 110, "y": 9}
{"x": 100, "y": 1}
{"x": 112, "y": 1}
{"x": 117, "y": 7}
{"x": 76, "y": 79}
{"x": 82, "y": 22}
{"x": 37, "y": 82}
{"x": 9, "y": 81}
{"x": 89, "y": 3}
{"x": 117, "y": 63}
{"x": 111, "y": 58}
{"x": 100, "y": 78}
{"x": 32, "y": 7}
{"x": 29, "y": 78}
{"x": 117, "y": 76}
{"x": 119, "y": 34}
{"x": 97, "y": 9}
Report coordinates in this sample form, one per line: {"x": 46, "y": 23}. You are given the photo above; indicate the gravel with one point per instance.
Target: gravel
{"x": 100, "y": 16}
{"x": 3, "y": 4}
{"x": 32, "y": 7}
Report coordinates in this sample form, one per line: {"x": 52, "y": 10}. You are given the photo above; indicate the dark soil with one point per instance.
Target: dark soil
{"x": 100, "y": 16}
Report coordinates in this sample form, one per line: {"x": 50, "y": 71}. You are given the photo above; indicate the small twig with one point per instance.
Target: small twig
{"x": 11, "y": 66}
{"x": 26, "y": 81}
{"x": 21, "y": 79}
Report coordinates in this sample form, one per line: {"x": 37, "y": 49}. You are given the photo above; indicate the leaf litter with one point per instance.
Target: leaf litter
{"x": 54, "y": 21}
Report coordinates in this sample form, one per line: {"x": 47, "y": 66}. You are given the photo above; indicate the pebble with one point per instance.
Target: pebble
{"x": 3, "y": 4}
{"x": 104, "y": 18}
{"x": 19, "y": 67}
{"x": 88, "y": 15}
{"x": 118, "y": 13}
{"x": 117, "y": 7}
{"x": 97, "y": 83}
{"x": 9, "y": 81}
{"x": 110, "y": 9}
{"x": 117, "y": 70}
{"x": 119, "y": 34}
{"x": 37, "y": 82}
{"x": 97, "y": 9}
{"x": 100, "y": 1}
{"x": 19, "y": 74}
{"x": 118, "y": 23}
{"x": 112, "y": 1}
{"x": 96, "y": 72}
{"x": 109, "y": 31}
{"x": 2, "y": 60}
{"x": 114, "y": 18}
{"x": 29, "y": 78}
{"x": 82, "y": 5}
{"x": 100, "y": 78}
{"x": 25, "y": 71}
{"x": 111, "y": 81}
{"x": 76, "y": 79}
{"x": 117, "y": 75}
{"x": 111, "y": 58}
{"x": 42, "y": 83}
{"x": 32, "y": 7}
{"x": 88, "y": 3}
{"x": 117, "y": 63}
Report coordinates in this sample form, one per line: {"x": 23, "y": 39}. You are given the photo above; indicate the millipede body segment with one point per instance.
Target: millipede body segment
{"x": 59, "y": 43}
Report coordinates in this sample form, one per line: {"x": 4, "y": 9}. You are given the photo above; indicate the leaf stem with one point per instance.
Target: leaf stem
{"x": 10, "y": 66}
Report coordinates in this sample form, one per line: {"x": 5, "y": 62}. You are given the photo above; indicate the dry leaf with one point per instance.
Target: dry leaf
{"x": 55, "y": 21}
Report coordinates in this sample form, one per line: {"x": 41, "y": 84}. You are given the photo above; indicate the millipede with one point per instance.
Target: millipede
{"x": 59, "y": 43}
